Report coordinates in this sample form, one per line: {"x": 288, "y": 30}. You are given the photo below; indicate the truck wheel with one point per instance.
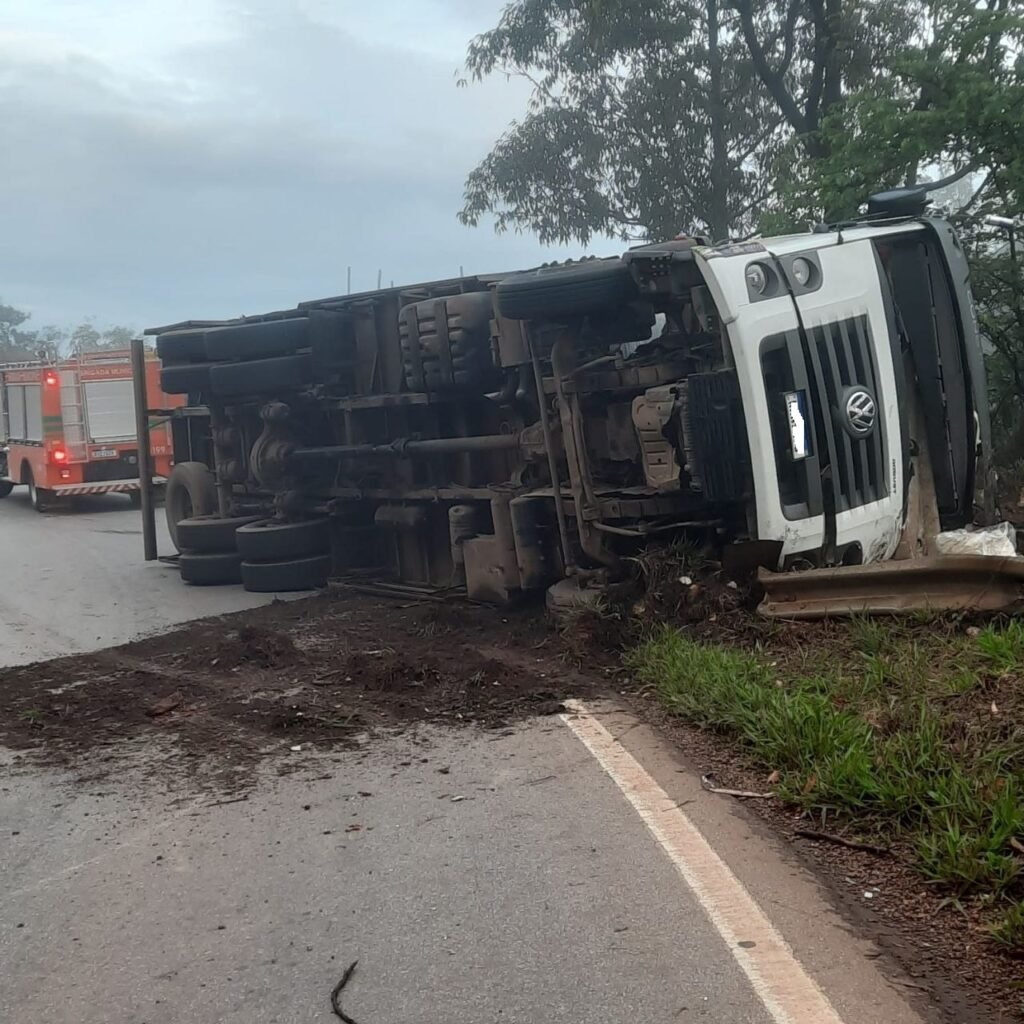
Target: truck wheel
{"x": 210, "y": 569}
{"x": 181, "y": 347}
{"x": 135, "y": 499}
{"x": 186, "y": 379}
{"x": 190, "y": 492}
{"x": 269, "y": 540}
{"x": 278, "y": 577}
{"x": 569, "y": 289}
{"x": 257, "y": 341}
{"x": 39, "y": 496}
{"x": 210, "y": 534}
{"x": 260, "y": 376}
{"x": 5, "y": 488}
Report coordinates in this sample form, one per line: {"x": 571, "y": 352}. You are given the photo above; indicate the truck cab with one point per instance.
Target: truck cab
{"x": 855, "y": 349}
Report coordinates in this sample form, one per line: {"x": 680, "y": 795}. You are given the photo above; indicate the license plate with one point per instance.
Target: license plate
{"x": 105, "y": 453}
{"x": 796, "y": 412}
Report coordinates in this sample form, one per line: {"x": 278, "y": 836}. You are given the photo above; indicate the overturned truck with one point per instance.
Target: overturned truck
{"x": 788, "y": 401}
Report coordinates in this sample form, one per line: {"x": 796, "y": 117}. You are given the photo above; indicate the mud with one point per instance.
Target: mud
{"x": 335, "y": 670}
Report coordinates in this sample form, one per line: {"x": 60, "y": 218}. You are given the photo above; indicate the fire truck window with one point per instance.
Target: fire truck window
{"x": 16, "y": 411}
{"x": 33, "y": 413}
{"x": 110, "y": 410}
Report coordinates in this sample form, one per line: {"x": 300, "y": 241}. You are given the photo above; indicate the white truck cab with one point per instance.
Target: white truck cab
{"x": 839, "y": 339}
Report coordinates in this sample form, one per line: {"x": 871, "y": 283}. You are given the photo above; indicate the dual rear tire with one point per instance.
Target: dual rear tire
{"x": 281, "y": 557}
{"x": 265, "y": 555}
{"x": 209, "y": 554}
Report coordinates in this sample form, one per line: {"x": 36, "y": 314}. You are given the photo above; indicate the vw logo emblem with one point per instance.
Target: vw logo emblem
{"x": 861, "y": 411}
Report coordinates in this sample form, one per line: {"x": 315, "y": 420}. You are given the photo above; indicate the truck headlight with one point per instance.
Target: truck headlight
{"x": 802, "y": 271}
{"x": 757, "y": 278}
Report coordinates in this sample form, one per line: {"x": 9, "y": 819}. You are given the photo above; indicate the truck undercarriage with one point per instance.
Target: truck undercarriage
{"x": 498, "y": 433}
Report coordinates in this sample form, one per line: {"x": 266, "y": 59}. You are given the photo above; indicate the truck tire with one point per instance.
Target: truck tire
{"x": 257, "y": 341}
{"x": 565, "y": 290}
{"x": 186, "y": 379}
{"x": 6, "y": 486}
{"x": 181, "y": 346}
{"x": 38, "y": 496}
{"x": 210, "y": 569}
{"x": 190, "y": 492}
{"x": 280, "y": 577}
{"x": 210, "y": 534}
{"x": 269, "y": 540}
{"x": 260, "y": 376}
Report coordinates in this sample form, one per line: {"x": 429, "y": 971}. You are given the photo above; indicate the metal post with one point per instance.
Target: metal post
{"x": 138, "y": 349}
{"x": 545, "y": 426}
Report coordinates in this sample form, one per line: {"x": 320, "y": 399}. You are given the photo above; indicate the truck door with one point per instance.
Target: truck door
{"x": 849, "y": 343}
{"x": 927, "y": 272}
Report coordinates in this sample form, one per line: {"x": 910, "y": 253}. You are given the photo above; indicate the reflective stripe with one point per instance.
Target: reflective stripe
{"x": 122, "y": 486}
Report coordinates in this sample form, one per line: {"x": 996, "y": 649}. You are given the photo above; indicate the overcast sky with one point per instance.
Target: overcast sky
{"x": 169, "y": 159}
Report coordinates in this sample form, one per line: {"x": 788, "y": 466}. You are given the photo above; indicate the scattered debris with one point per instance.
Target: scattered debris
{"x": 707, "y": 782}
{"x": 337, "y": 990}
{"x": 165, "y": 704}
{"x": 852, "y": 844}
{"x": 288, "y": 678}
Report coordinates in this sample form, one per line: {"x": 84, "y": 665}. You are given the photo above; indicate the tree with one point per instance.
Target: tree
{"x": 644, "y": 119}
{"x": 84, "y": 338}
{"x": 49, "y": 343}
{"x": 10, "y": 320}
{"x": 87, "y": 338}
{"x": 117, "y": 337}
{"x": 951, "y": 96}
{"x": 17, "y": 344}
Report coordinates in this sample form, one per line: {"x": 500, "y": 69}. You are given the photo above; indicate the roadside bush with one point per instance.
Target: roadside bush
{"x": 958, "y": 805}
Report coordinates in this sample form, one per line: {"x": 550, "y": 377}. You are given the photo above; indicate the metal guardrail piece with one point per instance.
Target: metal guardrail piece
{"x": 935, "y": 583}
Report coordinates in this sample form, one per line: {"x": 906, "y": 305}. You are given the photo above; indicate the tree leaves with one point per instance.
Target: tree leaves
{"x": 640, "y": 123}
{"x": 51, "y": 343}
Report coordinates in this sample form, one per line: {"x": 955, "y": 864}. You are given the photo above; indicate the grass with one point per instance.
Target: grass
{"x": 1009, "y": 929}
{"x": 890, "y": 727}
{"x": 1004, "y": 648}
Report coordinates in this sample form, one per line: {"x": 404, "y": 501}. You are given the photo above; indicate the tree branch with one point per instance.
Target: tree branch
{"x": 773, "y": 81}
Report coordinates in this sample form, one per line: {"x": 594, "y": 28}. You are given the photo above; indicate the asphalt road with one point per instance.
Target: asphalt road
{"x": 570, "y": 871}
{"x": 75, "y": 580}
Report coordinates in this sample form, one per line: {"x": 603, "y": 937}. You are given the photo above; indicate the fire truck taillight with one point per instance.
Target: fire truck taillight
{"x": 51, "y": 379}
{"x": 59, "y": 455}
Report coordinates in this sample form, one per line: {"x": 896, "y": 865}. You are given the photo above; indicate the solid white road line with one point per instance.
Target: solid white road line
{"x": 788, "y": 993}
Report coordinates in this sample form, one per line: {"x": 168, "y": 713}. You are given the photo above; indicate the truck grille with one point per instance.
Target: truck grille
{"x": 714, "y": 435}
{"x": 842, "y": 357}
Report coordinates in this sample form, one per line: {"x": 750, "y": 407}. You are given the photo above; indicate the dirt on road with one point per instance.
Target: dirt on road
{"x": 330, "y": 670}
{"x": 211, "y": 702}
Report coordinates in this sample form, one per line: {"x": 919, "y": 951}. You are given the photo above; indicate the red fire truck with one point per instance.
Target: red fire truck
{"x": 68, "y": 428}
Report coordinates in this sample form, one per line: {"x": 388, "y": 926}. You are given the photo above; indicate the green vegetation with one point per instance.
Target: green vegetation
{"x": 723, "y": 117}
{"x": 17, "y": 342}
{"x": 902, "y": 731}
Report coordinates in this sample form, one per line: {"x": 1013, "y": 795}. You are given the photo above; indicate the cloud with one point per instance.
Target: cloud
{"x": 244, "y": 170}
